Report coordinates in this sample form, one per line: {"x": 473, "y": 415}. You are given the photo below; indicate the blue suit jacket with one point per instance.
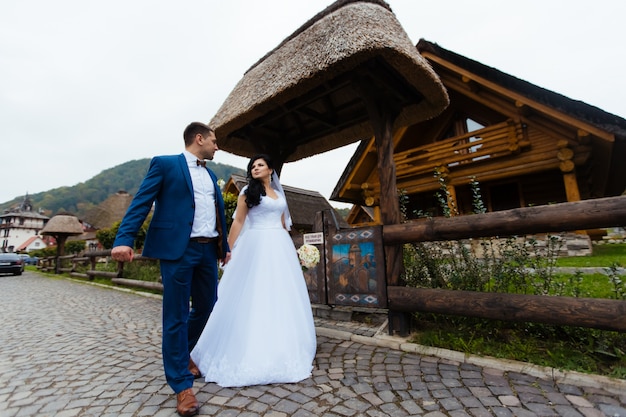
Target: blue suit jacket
{"x": 168, "y": 185}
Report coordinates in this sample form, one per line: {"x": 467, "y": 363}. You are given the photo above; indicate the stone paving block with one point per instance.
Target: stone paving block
{"x": 450, "y": 404}
{"x": 500, "y": 390}
{"x": 613, "y": 409}
{"x": 479, "y": 412}
{"x": 506, "y": 412}
{"x": 541, "y": 409}
{"x": 459, "y": 413}
{"x": 570, "y": 389}
{"x": 257, "y": 407}
{"x": 372, "y": 398}
{"x": 471, "y": 402}
{"x": 451, "y": 382}
{"x": 357, "y": 404}
{"x": 473, "y": 382}
{"x": 567, "y": 411}
{"x": 490, "y": 401}
{"x": 435, "y": 414}
{"x": 393, "y": 410}
{"x": 286, "y": 406}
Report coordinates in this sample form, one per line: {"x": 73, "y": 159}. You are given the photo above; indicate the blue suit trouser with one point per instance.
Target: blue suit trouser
{"x": 193, "y": 276}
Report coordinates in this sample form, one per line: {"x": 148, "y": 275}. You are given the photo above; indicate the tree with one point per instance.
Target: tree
{"x": 74, "y": 246}
{"x": 106, "y": 236}
{"x": 230, "y": 204}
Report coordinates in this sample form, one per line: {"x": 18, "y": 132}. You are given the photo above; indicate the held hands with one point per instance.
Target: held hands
{"x": 122, "y": 253}
{"x": 226, "y": 259}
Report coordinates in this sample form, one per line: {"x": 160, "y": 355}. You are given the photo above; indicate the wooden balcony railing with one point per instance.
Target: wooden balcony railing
{"x": 491, "y": 142}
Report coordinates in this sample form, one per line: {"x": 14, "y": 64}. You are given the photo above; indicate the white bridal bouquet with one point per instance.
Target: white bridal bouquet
{"x": 309, "y": 256}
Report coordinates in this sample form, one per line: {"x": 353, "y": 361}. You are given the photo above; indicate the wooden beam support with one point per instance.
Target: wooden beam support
{"x": 471, "y": 84}
{"x": 571, "y": 186}
{"x": 522, "y": 108}
{"x": 584, "y": 138}
{"x": 382, "y": 113}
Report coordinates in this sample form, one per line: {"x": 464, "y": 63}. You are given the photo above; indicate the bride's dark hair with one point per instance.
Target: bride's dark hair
{"x": 255, "y": 187}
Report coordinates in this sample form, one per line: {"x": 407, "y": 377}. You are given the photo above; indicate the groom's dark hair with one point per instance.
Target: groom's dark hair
{"x": 193, "y": 129}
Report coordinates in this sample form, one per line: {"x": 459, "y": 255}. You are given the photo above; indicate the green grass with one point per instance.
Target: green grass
{"x": 603, "y": 256}
{"x": 562, "y": 347}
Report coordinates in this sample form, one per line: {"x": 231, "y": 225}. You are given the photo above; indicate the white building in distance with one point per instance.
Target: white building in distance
{"x": 19, "y": 225}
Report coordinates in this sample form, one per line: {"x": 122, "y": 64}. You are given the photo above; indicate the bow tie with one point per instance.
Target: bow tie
{"x": 201, "y": 162}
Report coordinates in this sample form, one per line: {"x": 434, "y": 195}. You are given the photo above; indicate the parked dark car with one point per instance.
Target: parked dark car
{"x": 11, "y": 263}
{"x": 28, "y": 260}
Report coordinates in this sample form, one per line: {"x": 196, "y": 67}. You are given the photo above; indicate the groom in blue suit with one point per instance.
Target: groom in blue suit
{"x": 188, "y": 235}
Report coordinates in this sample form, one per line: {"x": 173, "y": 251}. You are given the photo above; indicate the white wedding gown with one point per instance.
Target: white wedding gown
{"x": 261, "y": 329}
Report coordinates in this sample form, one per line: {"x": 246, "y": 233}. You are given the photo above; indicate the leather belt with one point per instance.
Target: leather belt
{"x": 203, "y": 239}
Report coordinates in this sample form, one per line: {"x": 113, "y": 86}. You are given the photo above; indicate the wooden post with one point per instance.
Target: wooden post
{"x": 571, "y": 187}
{"x": 383, "y": 113}
{"x": 452, "y": 201}
{"x": 61, "y": 238}
{"x": 568, "y": 168}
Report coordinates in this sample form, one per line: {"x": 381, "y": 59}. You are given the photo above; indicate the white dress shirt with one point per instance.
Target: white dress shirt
{"x": 204, "y": 218}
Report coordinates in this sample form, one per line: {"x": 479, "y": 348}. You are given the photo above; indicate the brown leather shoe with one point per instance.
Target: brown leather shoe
{"x": 194, "y": 369}
{"x": 186, "y": 403}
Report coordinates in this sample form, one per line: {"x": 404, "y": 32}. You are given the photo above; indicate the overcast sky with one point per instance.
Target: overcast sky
{"x": 86, "y": 85}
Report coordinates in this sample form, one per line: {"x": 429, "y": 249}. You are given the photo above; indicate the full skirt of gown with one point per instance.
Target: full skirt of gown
{"x": 261, "y": 329}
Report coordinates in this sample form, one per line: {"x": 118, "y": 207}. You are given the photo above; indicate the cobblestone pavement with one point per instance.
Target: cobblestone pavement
{"x": 71, "y": 349}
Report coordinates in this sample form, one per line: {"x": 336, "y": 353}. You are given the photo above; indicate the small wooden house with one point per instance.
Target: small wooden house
{"x": 361, "y": 215}
{"x": 111, "y": 210}
{"x": 103, "y": 216}
{"x": 524, "y": 146}
{"x": 303, "y": 204}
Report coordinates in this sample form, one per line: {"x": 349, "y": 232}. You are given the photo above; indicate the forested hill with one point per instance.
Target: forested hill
{"x": 79, "y": 198}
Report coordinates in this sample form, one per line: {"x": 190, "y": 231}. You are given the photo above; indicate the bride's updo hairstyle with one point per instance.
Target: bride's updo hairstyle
{"x": 256, "y": 189}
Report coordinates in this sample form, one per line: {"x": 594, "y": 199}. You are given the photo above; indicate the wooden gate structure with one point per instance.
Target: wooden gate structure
{"x": 351, "y": 271}
{"x": 341, "y": 77}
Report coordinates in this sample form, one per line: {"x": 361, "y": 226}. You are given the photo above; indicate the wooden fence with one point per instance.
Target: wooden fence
{"x": 49, "y": 264}
{"x": 572, "y": 311}
{"x": 569, "y": 311}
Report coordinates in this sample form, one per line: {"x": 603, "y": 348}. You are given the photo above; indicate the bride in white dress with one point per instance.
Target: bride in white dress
{"x": 261, "y": 329}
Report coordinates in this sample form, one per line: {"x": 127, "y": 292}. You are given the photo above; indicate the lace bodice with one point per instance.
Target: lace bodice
{"x": 267, "y": 215}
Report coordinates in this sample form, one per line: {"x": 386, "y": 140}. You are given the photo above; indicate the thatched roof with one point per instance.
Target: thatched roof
{"x": 575, "y": 108}
{"x": 109, "y": 211}
{"x": 62, "y": 224}
{"x": 306, "y": 96}
{"x": 303, "y": 204}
